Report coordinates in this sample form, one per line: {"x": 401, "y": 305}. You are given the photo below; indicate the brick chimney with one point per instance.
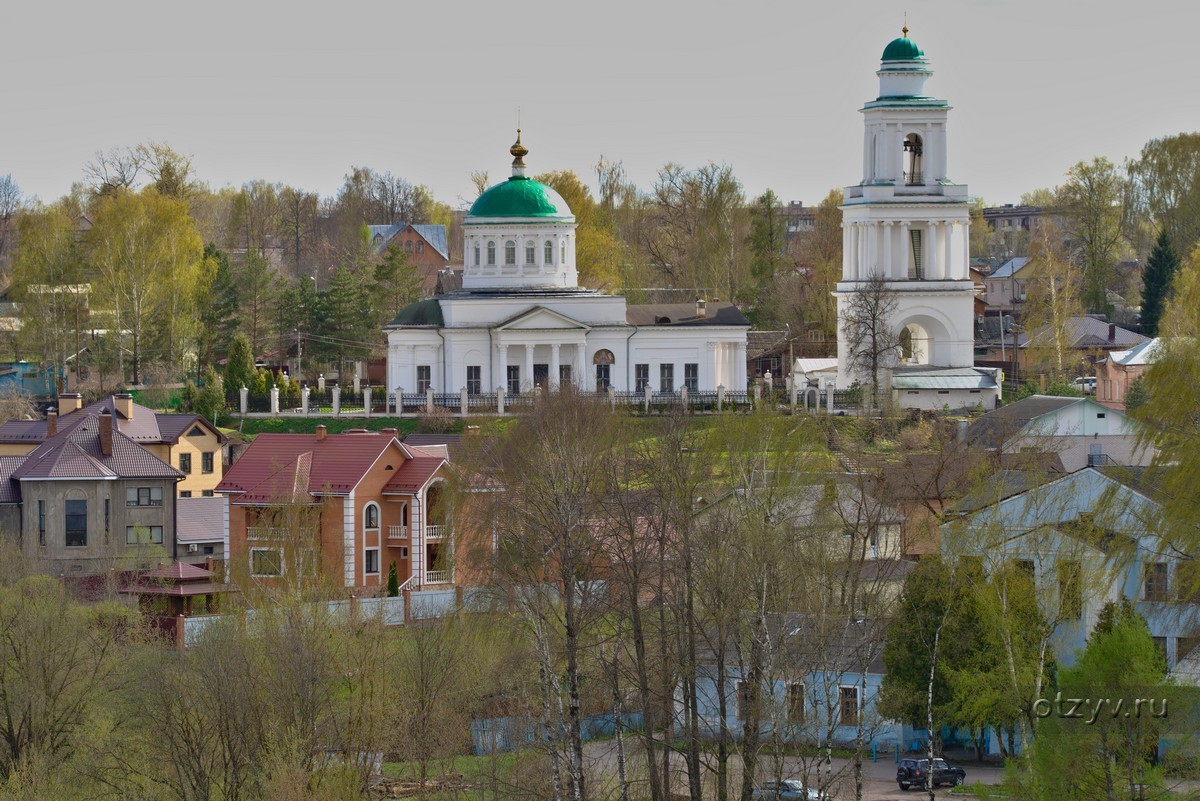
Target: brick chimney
{"x": 1112, "y": 332}
{"x": 51, "y": 423}
{"x": 321, "y": 433}
{"x": 69, "y": 402}
{"x": 389, "y": 432}
{"x": 123, "y": 403}
{"x": 701, "y": 309}
{"x": 106, "y": 432}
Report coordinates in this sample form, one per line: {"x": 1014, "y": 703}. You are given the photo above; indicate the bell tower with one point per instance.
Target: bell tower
{"x": 907, "y": 223}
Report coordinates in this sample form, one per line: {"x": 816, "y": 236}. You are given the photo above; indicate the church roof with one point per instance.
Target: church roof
{"x": 684, "y": 314}
{"x": 423, "y": 312}
{"x": 520, "y": 197}
{"x": 902, "y": 49}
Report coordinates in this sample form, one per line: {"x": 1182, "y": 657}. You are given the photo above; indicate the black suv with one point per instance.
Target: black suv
{"x": 915, "y": 773}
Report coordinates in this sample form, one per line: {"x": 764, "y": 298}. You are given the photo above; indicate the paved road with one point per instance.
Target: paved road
{"x": 879, "y": 778}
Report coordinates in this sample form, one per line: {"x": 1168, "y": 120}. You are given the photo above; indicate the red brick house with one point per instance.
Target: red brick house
{"x": 425, "y": 246}
{"x": 341, "y": 507}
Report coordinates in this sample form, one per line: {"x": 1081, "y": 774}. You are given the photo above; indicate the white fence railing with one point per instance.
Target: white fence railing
{"x": 397, "y": 532}
{"x": 439, "y": 576}
{"x": 437, "y": 532}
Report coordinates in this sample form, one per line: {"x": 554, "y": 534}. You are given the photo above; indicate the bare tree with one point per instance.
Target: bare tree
{"x": 868, "y": 328}
{"x": 114, "y": 170}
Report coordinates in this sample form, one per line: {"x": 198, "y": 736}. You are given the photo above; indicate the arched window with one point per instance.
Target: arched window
{"x": 404, "y": 515}
{"x": 530, "y": 252}
{"x": 408, "y": 246}
{"x": 420, "y": 246}
{"x": 549, "y": 254}
{"x": 491, "y": 253}
{"x": 510, "y": 252}
{"x": 914, "y": 148}
{"x": 371, "y": 516}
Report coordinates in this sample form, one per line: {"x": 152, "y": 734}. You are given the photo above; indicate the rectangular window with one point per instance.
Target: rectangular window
{"x": 76, "y": 520}
{"x": 474, "y": 379}
{"x": 403, "y": 551}
{"x": 514, "y": 379}
{"x": 666, "y": 378}
{"x": 371, "y": 561}
{"x": 564, "y": 375}
{"x": 266, "y": 562}
{"x": 848, "y": 706}
{"x": 691, "y": 377}
{"x": 1070, "y": 590}
{"x": 185, "y": 493}
{"x": 207, "y": 493}
{"x": 143, "y": 496}
{"x": 1156, "y": 581}
{"x": 41, "y": 523}
{"x": 424, "y": 377}
{"x": 641, "y": 377}
{"x": 143, "y": 535}
{"x": 185, "y": 463}
{"x": 107, "y": 515}
{"x": 206, "y": 462}
{"x": 795, "y": 702}
{"x": 603, "y": 377}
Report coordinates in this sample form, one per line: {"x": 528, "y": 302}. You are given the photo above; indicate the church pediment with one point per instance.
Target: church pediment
{"x": 539, "y": 318}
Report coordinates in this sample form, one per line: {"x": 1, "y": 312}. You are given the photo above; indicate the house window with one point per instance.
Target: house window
{"x": 603, "y": 377}
{"x": 474, "y": 379}
{"x": 691, "y": 377}
{"x": 196, "y": 432}
{"x": 1070, "y": 590}
{"x": 142, "y": 535}
{"x": 107, "y": 514}
{"x": 848, "y": 706}
{"x": 1156, "y": 581}
{"x": 514, "y": 379}
{"x": 371, "y": 516}
{"x": 530, "y": 253}
{"x": 185, "y": 463}
{"x": 666, "y": 378}
{"x": 76, "y": 524}
{"x": 371, "y": 561}
{"x": 185, "y": 493}
{"x": 420, "y": 247}
{"x": 143, "y": 496}
{"x": 404, "y": 515}
{"x": 408, "y": 246}
{"x": 549, "y": 252}
{"x": 404, "y": 552}
{"x": 816, "y": 335}
{"x": 266, "y": 562}
{"x": 795, "y": 702}
{"x": 424, "y": 377}
{"x": 206, "y": 462}
{"x": 208, "y": 550}
{"x": 41, "y": 523}
{"x": 641, "y": 377}
{"x": 510, "y": 252}
{"x": 491, "y": 254}
{"x": 207, "y": 493}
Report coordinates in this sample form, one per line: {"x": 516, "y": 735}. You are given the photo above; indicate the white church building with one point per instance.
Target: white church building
{"x": 908, "y": 224}
{"x": 521, "y": 319}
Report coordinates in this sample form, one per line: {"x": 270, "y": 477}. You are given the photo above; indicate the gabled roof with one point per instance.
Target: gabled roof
{"x": 1010, "y": 267}
{"x": 1086, "y": 333}
{"x": 146, "y": 426}
{"x": 942, "y": 378}
{"x": 684, "y": 314}
{"x": 414, "y": 474}
{"x": 422, "y": 312}
{"x": 200, "y": 519}
{"x": 549, "y": 317}
{"x": 1145, "y": 353}
{"x": 760, "y": 343}
{"x": 75, "y": 452}
{"x": 435, "y": 235}
{"x": 10, "y": 491}
{"x": 299, "y": 467}
{"x": 996, "y": 427}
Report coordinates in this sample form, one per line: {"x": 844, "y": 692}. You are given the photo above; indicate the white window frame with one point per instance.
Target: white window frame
{"x": 366, "y": 520}
{"x": 253, "y": 551}
{"x": 367, "y": 552}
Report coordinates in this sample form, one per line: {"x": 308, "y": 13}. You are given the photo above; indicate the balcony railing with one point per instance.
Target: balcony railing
{"x": 397, "y": 532}
{"x": 439, "y": 576}
{"x": 437, "y": 532}
{"x": 264, "y": 533}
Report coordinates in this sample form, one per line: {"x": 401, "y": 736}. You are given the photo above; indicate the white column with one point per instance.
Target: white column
{"x": 412, "y": 358}
{"x": 708, "y": 367}
{"x": 905, "y": 250}
{"x": 579, "y": 376}
{"x": 938, "y": 251}
{"x": 948, "y": 271}
{"x": 888, "y": 268}
{"x": 503, "y": 379}
{"x": 864, "y": 252}
{"x": 739, "y": 376}
{"x": 552, "y": 381}
{"x": 527, "y": 378}
{"x": 847, "y": 250}
{"x": 966, "y": 250}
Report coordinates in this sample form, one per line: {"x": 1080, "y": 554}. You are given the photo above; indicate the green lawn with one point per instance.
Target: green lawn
{"x": 334, "y": 425}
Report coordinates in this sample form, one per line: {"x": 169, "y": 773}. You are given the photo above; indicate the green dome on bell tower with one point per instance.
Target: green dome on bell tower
{"x": 520, "y": 196}
{"x": 903, "y": 49}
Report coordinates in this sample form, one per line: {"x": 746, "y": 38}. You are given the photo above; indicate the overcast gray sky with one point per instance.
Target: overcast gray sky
{"x": 299, "y": 92}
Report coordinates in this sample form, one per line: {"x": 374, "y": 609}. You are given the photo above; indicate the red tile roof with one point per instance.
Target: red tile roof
{"x": 414, "y": 474}
{"x": 286, "y": 467}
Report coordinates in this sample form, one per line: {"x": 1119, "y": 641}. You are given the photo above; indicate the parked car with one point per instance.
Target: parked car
{"x": 1086, "y": 384}
{"x": 916, "y": 773}
{"x": 788, "y": 790}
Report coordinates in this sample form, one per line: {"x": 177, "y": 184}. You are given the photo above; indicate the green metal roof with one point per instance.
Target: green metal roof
{"x": 902, "y": 49}
{"x": 520, "y": 197}
{"x": 423, "y": 312}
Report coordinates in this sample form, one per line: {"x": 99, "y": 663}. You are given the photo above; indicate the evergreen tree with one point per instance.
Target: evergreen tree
{"x": 393, "y": 582}
{"x": 210, "y": 400}
{"x": 219, "y": 316}
{"x": 1156, "y": 282}
{"x": 396, "y": 284}
{"x": 347, "y": 326}
{"x": 239, "y": 369}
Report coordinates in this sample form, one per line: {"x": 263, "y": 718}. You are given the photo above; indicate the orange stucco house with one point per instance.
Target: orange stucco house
{"x": 340, "y": 508}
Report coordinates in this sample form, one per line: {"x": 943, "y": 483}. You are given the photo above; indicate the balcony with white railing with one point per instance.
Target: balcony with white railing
{"x": 265, "y": 533}
{"x": 397, "y": 532}
{"x": 439, "y": 576}
{"x": 437, "y": 531}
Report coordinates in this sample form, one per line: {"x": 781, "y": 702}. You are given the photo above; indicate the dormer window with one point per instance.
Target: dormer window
{"x": 914, "y": 148}
{"x": 510, "y": 252}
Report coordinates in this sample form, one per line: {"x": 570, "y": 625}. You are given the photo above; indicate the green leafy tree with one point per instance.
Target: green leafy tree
{"x": 1156, "y": 282}
{"x": 1092, "y": 200}
{"x": 239, "y": 368}
{"x": 1165, "y": 187}
{"x": 597, "y": 249}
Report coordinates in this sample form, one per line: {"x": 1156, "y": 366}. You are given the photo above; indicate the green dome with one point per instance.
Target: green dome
{"x": 902, "y": 49}
{"x": 520, "y": 197}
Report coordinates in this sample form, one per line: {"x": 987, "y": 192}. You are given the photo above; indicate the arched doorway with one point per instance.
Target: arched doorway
{"x": 914, "y": 149}
{"x": 603, "y": 361}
